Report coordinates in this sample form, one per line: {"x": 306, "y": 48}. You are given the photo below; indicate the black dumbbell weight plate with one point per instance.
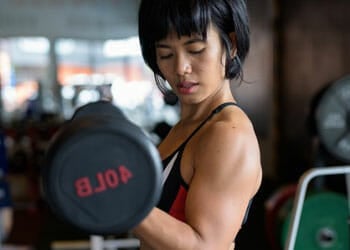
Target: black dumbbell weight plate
{"x": 102, "y": 177}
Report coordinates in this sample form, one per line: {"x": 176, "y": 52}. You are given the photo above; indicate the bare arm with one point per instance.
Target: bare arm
{"x": 226, "y": 179}
{"x": 227, "y": 175}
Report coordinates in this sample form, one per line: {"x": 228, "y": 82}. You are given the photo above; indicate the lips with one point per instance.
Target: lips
{"x": 186, "y": 84}
{"x": 187, "y": 87}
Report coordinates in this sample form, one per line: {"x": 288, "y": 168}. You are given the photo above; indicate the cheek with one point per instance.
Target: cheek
{"x": 166, "y": 71}
{"x": 211, "y": 66}
{"x": 216, "y": 64}
{"x": 163, "y": 68}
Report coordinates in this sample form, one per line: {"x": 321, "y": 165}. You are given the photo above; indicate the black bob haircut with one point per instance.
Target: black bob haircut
{"x": 157, "y": 18}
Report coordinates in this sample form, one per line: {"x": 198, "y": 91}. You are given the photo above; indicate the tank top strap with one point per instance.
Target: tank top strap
{"x": 214, "y": 112}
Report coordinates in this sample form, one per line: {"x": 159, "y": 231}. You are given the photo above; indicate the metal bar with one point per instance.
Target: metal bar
{"x": 348, "y": 190}
{"x": 99, "y": 243}
{"x": 300, "y": 197}
{"x": 96, "y": 242}
{"x": 121, "y": 243}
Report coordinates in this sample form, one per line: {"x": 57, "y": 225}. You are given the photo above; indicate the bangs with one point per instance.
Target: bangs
{"x": 185, "y": 17}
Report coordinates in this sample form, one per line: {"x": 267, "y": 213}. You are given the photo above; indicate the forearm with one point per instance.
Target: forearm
{"x": 161, "y": 231}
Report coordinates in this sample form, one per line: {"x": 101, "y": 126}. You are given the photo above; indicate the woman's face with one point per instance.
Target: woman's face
{"x": 194, "y": 67}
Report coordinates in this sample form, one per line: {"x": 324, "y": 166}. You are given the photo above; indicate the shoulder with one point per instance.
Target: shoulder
{"x": 231, "y": 128}
{"x": 230, "y": 144}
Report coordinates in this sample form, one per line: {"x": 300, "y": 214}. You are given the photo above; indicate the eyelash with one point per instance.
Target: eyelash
{"x": 194, "y": 52}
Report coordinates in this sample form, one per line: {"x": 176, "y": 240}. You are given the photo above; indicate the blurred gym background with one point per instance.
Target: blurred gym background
{"x": 56, "y": 55}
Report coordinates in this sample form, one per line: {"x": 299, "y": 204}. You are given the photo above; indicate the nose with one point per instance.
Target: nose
{"x": 183, "y": 65}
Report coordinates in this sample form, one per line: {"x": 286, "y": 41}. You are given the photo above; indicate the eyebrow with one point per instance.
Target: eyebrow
{"x": 188, "y": 42}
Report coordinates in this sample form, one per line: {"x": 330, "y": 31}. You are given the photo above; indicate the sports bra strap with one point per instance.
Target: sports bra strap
{"x": 214, "y": 112}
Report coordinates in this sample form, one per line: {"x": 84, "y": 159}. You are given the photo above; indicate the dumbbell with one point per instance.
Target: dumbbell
{"x": 101, "y": 172}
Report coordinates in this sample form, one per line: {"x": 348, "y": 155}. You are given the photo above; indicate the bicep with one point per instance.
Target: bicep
{"x": 222, "y": 186}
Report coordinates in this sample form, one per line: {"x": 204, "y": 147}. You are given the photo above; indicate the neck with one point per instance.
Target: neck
{"x": 198, "y": 111}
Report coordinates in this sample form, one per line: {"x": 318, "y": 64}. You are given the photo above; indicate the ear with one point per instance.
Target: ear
{"x": 233, "y": 50}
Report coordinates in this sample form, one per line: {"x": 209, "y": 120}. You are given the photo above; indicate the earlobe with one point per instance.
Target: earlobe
{"x": 233, "y": 53}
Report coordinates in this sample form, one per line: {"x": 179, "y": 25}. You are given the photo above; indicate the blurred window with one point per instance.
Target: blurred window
{"x": 23, "y": 64}
{"x": 87, "y": 71}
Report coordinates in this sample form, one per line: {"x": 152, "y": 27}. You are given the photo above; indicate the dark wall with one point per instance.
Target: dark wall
{"x": 313, "y": 51}
{"x": 297, "y": 48}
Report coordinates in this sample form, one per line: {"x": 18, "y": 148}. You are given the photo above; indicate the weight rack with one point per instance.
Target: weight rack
{"x": 301, "y": 193}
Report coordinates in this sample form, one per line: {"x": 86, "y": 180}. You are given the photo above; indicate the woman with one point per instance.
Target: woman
{"x": 211, "y": 156}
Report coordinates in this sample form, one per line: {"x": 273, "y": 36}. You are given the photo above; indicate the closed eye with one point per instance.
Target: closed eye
{"x": 197, "y": 51}
{"x": 163, "y": 51}
{"x": 193, "y": 52}
{"x": 165, "y": 56}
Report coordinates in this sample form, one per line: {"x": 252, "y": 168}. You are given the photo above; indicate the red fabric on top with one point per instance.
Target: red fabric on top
{"x": 177, "y": 209}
